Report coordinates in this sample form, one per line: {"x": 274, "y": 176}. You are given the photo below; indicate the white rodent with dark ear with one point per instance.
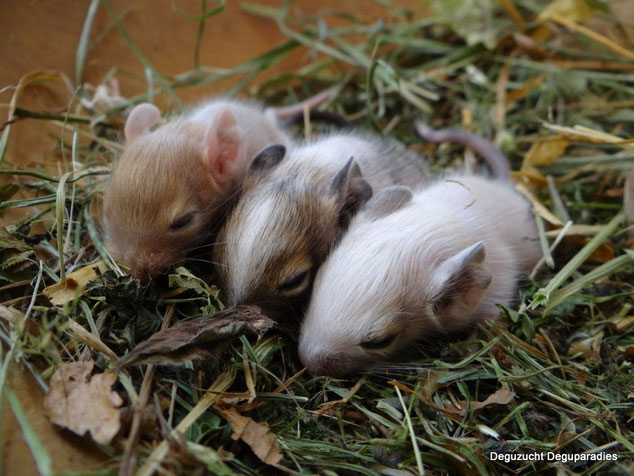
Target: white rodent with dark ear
{"x": 173, "y": 179}
{"x": 294, "y": 207}
{"x": 411, "y": 264}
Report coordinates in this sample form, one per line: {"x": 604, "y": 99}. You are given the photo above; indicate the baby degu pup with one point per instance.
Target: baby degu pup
{"x": 293, "y": 207}
{"x": 172, "y": 180}
{"x": 415, "y": 263}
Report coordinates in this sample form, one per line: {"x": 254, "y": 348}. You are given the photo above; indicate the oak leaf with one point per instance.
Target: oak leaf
{"x": 84, "y": 403}
{"x": 501, "y": 396}
{"x": 257, "y": 435}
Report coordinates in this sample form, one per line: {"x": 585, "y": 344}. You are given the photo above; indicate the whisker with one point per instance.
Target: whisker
{"x": 201, "y": 246}
{"x": 200, "y": 260}
{"x": 217, "y": 243}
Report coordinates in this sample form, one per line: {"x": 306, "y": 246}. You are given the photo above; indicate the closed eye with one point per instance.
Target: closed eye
{"x": 182, "y": 221}
{"x": 295, "y": 284}
{"x": 378, "y": 343}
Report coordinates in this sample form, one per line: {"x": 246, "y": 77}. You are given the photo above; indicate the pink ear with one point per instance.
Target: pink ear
{"x": 463, "y": 280}
{"x": 225, "y": 148}
{"x": 140, "y": 120}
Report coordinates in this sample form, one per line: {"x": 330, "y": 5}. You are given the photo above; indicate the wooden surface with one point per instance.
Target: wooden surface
{"x": 43, "y": 35}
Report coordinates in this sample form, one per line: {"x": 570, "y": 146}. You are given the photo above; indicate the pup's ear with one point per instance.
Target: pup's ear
{"x": 351, "y": 190}
{"x": 268, "y": 157}
{"x": 462, "y": 281}
{"x": 225, "y": 150}
{"x": 387, "y": 202}
{"x": 140, "y": 120}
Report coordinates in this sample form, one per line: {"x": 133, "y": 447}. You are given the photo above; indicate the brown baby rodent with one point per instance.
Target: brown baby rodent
{"x": 171, "y": 182}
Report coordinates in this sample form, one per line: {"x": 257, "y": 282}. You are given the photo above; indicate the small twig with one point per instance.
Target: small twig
{"x": 618, "y": 49}
{"x": 222, "y": 382}
{"x": 20, "y": 325}
{"x": 555, "y": 243}
{"x": 325, "y": 407}
{"x": 128, "y": 463}
{"x": 91, "y": 341}
{"x": 553, "y": 351}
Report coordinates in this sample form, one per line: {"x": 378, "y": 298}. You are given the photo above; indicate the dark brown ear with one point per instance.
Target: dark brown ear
{"x": 387, "y": 202}
{"x": 462, "y": 281}
{"x": 351, "y": 190}
{"x": 268, "y": 157}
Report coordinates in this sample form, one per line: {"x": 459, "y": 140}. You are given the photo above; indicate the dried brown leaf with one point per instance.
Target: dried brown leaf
{"x": 590, "y": 347}
{"x": 191, "y": 339}
{"x": 518, "y": 94}
{"x": 501, "y": 396}
{"x": 621, "y": 324}
{"x": 17, "y": 261}
{"x": 602, "y": 254}
{"x": 503, "y": 357}
{"x": 83, "y": 403}
{"x": 75, "y": 282}
{"x": 539, "y": 208}
{"x": 545, "y": 151}
{"x": 257, "y": 435}
{"x": 575, "y": 10}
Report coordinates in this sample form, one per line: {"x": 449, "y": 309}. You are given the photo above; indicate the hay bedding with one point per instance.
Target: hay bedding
{"x": 550, "y": 81}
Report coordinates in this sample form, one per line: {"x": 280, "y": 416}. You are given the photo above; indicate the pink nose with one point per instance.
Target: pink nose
{"x": 145, "y": 269}
{"x": 331, "y": 365}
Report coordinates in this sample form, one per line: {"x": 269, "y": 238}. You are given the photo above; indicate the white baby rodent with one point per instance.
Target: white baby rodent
{"x": 292, "y": 209}
{"x": 411, "y": 264}
{"x": 171, "y": 182}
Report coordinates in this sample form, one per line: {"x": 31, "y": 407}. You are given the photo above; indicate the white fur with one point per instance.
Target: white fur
{"x": 383, "y": 274}
{"x": 242, "y": 248}
{"x": 260, "y": 222}
{"x": 260, "y": 129}
{"x": 331, "y": 153}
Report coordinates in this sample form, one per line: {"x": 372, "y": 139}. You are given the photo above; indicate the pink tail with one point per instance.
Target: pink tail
{"x": 496, "y": 159}
{"x": 310, "y": 103}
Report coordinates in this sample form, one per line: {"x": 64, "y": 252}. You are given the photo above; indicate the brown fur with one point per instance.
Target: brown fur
{"x": 287, "y": 218}
{"x": 147, "y": 193}
{"x": 182, "y": 172}
{"x": 309, "y": 227}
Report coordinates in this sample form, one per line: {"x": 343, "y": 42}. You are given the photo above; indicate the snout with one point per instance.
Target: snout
{"x": 141, "y": 273}
{"x": 331, "y": 364}
{"x": 145, "y": 269}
